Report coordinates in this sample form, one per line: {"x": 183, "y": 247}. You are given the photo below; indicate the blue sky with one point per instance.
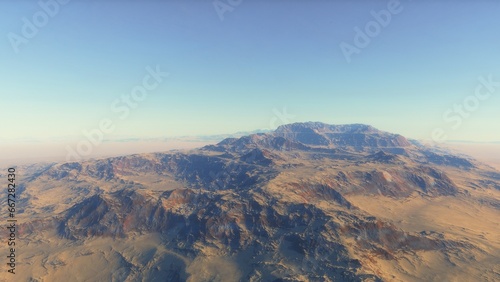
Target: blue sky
{"x": 234, "y": 74}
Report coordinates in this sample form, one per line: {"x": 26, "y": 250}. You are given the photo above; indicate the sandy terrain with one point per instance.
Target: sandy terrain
{"x": 452, "y": 216}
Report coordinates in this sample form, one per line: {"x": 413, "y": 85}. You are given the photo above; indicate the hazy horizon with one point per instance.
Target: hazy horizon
{"x": 33, "y": 151}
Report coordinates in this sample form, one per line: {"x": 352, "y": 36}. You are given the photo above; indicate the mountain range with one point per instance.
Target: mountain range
{"x": 306, "y": 202}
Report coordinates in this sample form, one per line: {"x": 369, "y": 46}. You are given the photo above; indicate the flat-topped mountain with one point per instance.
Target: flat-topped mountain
{"x": 352, "y": 135}
{"x": 307, "y": 202}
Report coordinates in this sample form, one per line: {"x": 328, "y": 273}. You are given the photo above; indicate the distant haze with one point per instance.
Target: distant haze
{"x": 24, "y": 153}
{"x": 488, "y": 153}
{"x": 33, "y": 152}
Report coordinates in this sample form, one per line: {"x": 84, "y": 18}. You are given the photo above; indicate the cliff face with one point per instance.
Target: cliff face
{"x": 292, "y": 205}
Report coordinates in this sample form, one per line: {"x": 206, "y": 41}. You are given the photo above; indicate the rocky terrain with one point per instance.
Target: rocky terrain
{"x": 307, "y": 202}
